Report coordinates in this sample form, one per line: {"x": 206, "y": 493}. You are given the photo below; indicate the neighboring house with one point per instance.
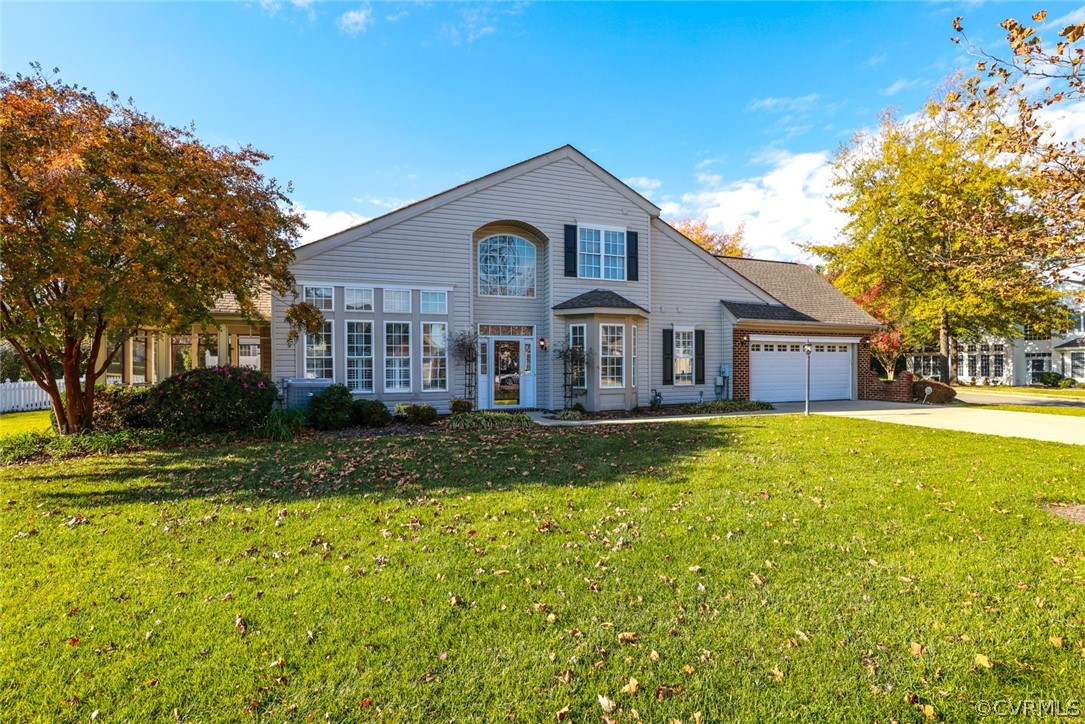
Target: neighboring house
{"x": 550, "y": 252}
{"x": 1018, "y": 360}
{"x": 150, "y": 356}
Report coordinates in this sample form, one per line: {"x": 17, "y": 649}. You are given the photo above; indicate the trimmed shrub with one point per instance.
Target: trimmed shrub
{"x": 370, "y": 413}
{"x": 421, "y": 414}
{"x": 1067, "y": 383}
{"x": 569, "y": 414}
{"x": 330, "y": 410}
{"x": 1048, "y": 379}
{"x": 284, "y": 424}
{"x": 941, "y": 393}
{"x": 213, "y": 399}
{"x": 579, "y": 407}
{"x": 120, "y": 408}
{"x": 485, "y": 420}
{"x": 460, "y": 406}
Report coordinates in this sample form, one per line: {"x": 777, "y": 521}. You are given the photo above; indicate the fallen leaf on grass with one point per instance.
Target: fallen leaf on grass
{"x": 628, "y": 637}
{"x": 776, "y": 674}
{"x": 562, "y": 713}
{"x": 366, "y": 702}
{"x": 666, "y": 691}
{"x": 239, "y": 624}
{"x": 917, "y": 649}
{"x": 757, "y": 580}
{"x": 1057, "y": 641}
{"x": 982, "y": 660}
{"x": 632, "y": 687}
{"x": 654, "y": 656}
{"x": 607, "y": 704}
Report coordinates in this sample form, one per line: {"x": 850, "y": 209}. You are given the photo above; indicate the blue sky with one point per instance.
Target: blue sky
{"x": 727, "y": 111}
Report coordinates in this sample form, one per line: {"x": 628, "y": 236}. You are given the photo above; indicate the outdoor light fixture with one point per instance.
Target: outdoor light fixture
{"x": 543, "y": 344}
{"x": 807, "y": 348}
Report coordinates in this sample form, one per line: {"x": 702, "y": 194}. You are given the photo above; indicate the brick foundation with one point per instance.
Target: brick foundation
{"x": 870, "y": 385}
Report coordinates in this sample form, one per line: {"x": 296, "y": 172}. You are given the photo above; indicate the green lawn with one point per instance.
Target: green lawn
{"x": 747, "y": 569}
{"x": 15, "y": 423}
{"x": 1073, "y": 392}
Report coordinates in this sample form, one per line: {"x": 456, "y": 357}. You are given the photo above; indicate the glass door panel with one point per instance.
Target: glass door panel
{"x": 506, "y": 366}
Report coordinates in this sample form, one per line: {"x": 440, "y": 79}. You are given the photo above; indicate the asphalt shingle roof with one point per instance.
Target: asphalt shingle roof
{"x": 1078, "y": 343}
{"x": 598, "y": 298}
{"x": 803, "y": 290}
{"x": 773, "y": 312}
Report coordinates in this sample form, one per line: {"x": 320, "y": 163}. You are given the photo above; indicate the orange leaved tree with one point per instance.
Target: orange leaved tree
{"x": 112, "y": 221}
{"x": 720, "y": 243}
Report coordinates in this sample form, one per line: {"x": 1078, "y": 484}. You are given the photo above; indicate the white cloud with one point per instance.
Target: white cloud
{"x": 357, "y": 21}
{"x": 875, "y": 60}
{"x": 799, "y": 104}
{"x": 900, "y": 85}
{"x": 643, "y": 184}
{"x": 1067, "y": 121}
{"x": 326, "y": 223}
{"x": 785, "y": 207}
{"x": 384, "y": 203}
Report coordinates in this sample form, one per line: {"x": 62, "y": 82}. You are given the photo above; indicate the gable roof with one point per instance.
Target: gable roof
{"x": 410, "y": 211}
{"x": 1076, "y": 343}
{"x": 802, "y": 289}
{"x": 599, "y": 298}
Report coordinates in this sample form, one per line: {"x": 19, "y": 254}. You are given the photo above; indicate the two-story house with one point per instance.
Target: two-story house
{"x": 556, "y": 252}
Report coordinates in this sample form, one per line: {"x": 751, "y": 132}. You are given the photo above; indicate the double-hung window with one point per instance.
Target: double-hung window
{"x": 601, "y": 253}
{"x": 318, "y": 353}
{"x": 578, "y": 347}
{"x": 360, "y": 356}
{"x": 633, "y": 349}
{"x": 434, "y": 302}
{"x": 397, "y": 356}
{"x": 683, "y": 356}
{"x": 611, "y": 355}
{"x": 434, "y": 356}
{"x": 320, "y": 297}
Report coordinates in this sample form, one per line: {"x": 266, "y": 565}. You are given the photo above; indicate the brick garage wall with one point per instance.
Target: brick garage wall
{"x": 870, "y": 385}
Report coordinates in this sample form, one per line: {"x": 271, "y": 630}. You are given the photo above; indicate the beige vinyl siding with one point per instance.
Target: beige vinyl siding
{"x": 687, "y": 286}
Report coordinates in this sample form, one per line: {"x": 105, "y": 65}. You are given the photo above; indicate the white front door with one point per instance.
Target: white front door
{"x": 506, "y": 378}
{"x": 778, "y": 371}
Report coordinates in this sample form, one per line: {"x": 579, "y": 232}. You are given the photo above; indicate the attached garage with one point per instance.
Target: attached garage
{"x": 778, "y": 368}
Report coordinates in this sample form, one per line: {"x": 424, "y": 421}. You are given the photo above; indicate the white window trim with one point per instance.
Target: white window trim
{"x": 634, "y": 362}
{"x": 372, "y": 354}
{"x": 583, "y": 327}
{"x": 354, "y": 288}
{"x": 624, "y": 356}
{"x": 692, "y": 356}
{"x": 422, "y": 353}
{"x": 375, "y": 284}
{"x": 384, "y": 300}
{"x": 603, "y": 228}
{"x": 316, "y": 285}
{"x": 385, "y": 358}
{"x": 305, "y": 358}
{"x": 422, "y": 304}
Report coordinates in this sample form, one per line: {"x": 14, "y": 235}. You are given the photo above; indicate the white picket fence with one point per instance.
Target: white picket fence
{"x": 20, "y": 396}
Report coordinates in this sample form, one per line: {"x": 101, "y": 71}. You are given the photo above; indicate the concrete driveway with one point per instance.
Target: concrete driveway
{"x": 1034, "y": 426}
{"x": 997, "y": 398}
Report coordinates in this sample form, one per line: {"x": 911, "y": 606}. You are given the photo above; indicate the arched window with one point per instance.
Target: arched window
{"x": 506, "y": 267}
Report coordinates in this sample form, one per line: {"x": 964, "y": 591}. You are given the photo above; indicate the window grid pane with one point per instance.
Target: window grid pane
{"x": 319, "y": 297}
{"x": 683, "y": 356}
{"x": 611, "y": 355}
{"x": 397, "y": 357}
{"x": 397, "y": 301}
{"x": 633, "y": 343}
{"x": 434, "y": 302}
{"x": 577, "y": 340}
{"x": 358, "y": 300}
{"x": 318, "y": 353}
{"x": 360, "y": 356}
{"x": 435, "y": 356}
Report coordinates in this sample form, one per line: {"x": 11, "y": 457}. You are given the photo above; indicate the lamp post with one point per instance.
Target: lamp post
{"x": 807, "y": 348}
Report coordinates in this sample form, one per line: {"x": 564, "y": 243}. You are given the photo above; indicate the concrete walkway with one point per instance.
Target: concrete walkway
{"x": 1030, "y": 425}
{"x": 1033, "y": 426}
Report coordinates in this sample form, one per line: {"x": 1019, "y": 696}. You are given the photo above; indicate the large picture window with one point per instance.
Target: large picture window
{"x": 506, "y": 267}
{"x": 397, "y": 356}
{"x": 683, "y": 356}
{"x": 434, "y": 356}
{"x": 601, "y": 253}
{"x": 360, "y": 356}
{"x": 318, "y": 353}
{"x": 611, "y": 355}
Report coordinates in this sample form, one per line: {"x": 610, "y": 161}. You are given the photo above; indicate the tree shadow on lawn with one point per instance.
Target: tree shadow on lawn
{"x": 406, "y": 466}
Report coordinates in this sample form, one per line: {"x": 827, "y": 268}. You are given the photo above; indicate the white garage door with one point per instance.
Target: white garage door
{"x": 778, "y": 371}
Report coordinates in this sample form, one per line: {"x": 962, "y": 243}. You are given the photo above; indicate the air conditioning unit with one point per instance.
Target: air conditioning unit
{"x": 298, "y": 391}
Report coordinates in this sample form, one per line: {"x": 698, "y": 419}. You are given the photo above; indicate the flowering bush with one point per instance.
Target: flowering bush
{"x": 121, "y": 408}
{"x": 213, "y": 399}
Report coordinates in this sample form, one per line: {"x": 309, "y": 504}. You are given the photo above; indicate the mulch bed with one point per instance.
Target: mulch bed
{"x": 1074, "y": 512}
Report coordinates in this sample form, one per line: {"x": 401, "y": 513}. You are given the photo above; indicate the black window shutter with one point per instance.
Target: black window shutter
{"x": 668, "y": 356}
{"x": 570, "y": 250}
{"x": 698, "y": 353}
{"x": 632, "y": 261}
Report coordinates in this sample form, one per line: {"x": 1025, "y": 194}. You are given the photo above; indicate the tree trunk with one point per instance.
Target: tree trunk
{"x": 948, "y": 360}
